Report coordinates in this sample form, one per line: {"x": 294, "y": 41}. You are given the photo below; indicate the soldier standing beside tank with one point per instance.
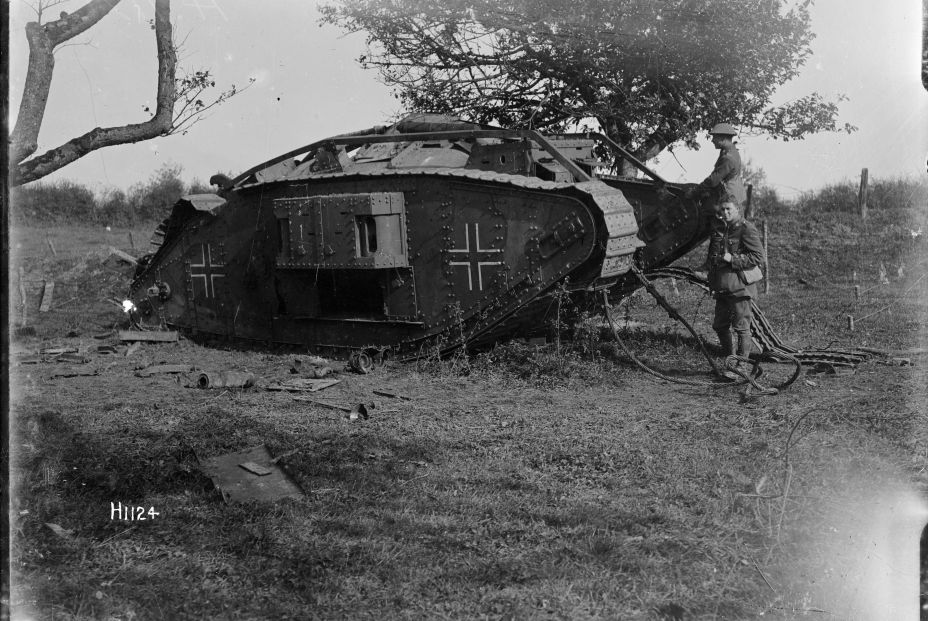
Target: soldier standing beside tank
{"x": 740, "y": 249}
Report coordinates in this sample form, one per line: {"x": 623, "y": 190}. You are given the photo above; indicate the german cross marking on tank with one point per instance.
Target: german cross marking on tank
{"x": 208, "y": 270}
{"x": 474, "y": 256}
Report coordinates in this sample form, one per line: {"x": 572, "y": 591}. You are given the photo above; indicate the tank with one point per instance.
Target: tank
{"x": 429, "y": 233}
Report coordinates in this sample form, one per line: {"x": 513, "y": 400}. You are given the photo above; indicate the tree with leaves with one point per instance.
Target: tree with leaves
{"x": 650, "y": 73}
{"x": 180, "y": 100}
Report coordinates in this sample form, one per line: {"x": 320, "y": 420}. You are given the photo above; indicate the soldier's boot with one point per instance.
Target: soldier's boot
{"x": 728, "y": 348}
{"x": 745, "y": 345}
{"x": 726, "y": 342}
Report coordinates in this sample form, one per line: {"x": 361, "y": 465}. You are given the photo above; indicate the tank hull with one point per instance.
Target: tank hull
{"x": 403, "y": 241}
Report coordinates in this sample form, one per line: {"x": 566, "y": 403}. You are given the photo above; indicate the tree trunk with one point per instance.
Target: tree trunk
{"x": 42, "y": 40}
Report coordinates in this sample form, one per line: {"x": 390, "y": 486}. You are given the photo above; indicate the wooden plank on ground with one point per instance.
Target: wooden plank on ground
{"x": 164, "y": 368}
{"x": 128, "y": 258}
{"x": 47, "y": 296}
{"x": 169, "y": 336}
{"x": 303, "y": 384}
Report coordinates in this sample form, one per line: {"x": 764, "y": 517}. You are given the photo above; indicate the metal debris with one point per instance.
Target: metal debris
{"x": 55, "y": 351}
{"x": 314, "y": 367}
{"x": 324, "y": 404}
{"x": 258, "y": 469}
{"x": 163, "y": 368}
{"x": 222, "y": 379}
{"x": 72, "y": 358}
{"x": 64, "y": 533}
{"x": 302, "y": 384}
{"x": 360, "y": 362}
{"x": 384, "y": 393}
{"x": 152, "y": 336}
{"x": 239, "y": 484}
{"x": 361, "y": 410}
{"x": 74, "y": 373}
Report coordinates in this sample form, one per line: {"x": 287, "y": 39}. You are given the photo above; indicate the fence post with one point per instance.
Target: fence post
{"x": 747, "y": 202}
{"x": 22, "y": 295}
{"x": 862, "y": 194}
{"x": 131, "y": 241}
{"x": 766, "y": 260}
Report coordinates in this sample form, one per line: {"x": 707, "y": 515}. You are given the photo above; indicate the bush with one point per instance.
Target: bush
{"x": 59, "y": 201}
{"x": 69, "y": 202}
{"x": 153, "y": 200}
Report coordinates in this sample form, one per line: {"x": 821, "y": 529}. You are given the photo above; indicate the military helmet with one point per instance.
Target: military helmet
{"x": 724, "y": 129}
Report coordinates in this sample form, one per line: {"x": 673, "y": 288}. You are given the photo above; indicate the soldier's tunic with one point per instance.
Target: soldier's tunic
{"x": 725, "y": 181}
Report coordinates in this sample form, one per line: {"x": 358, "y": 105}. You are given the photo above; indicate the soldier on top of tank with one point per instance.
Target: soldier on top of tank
{"x": 723, "y": 185}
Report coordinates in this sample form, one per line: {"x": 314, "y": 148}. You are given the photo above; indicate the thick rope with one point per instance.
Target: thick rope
{"x": 749, "y": 378}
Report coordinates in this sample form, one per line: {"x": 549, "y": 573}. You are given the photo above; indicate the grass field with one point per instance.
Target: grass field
{"x": 528, "y": 482}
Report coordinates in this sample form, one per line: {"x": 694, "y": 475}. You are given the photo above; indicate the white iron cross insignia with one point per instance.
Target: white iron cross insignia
{"x": 476, "y": 256}
{"x": 207, "y": 269}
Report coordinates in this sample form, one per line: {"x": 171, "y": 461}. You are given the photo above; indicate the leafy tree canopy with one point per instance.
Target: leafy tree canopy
{"x": 652, "y": 73}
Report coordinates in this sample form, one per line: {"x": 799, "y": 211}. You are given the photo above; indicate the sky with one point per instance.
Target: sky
{"x": 308, "y": 85}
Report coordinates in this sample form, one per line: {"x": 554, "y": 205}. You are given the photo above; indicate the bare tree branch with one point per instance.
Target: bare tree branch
{"x": 42, "y": 39}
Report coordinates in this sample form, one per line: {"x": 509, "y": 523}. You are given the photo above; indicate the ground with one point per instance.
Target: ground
{"x": 532, "y": 481}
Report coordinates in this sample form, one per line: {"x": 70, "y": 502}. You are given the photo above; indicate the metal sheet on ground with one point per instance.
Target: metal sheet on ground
{"x": 239, "y": 485}
{"x": 155, "y": 337}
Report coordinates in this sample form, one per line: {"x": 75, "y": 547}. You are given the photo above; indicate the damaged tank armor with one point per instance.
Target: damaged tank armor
{"x": 430, "y": 232}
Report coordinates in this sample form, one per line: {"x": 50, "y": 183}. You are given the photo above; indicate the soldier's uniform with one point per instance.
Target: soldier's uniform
{"x": 723, "y": 185}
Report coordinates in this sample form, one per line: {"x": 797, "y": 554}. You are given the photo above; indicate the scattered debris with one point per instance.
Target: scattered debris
{"x": 106, "y": 349}
{"x": 915, "y": 351}
{"x": 167, "y": 336}
{"x": 237, "y": 483}
{"x": 47, "y": 294}
{"x": 133, "y": 348}
{"x": 74, "y": 373}
{"x": 302, "y": 384}
{"x": 25, "y": 331}
{"x": 29, "y": 359}
{"x": 119, "y": 254}
{"x": 73, "y": 334}
{"x": 283, "y": 455}
{"x": 900, "y": 362}
{"x": 55, "y": 351}
{"x": 258, "y": 469}
{"x": 361, "y": 410}
{"x": 103, "y": 335}
{"x": 323, "y": 404}
{"x": 827, "y": 368}
{"x": 314, "y": 367}
{"x": 163, "y": 368}
{"x": 384, "y": 393}
{"x": 64, "y": 533}
{"x": 222, "y": 379}
{"x": 360, "y": 362}
{"x": 72, "y": 358}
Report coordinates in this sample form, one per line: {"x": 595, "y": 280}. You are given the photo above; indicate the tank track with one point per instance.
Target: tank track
{"x": 763, "y": 332}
